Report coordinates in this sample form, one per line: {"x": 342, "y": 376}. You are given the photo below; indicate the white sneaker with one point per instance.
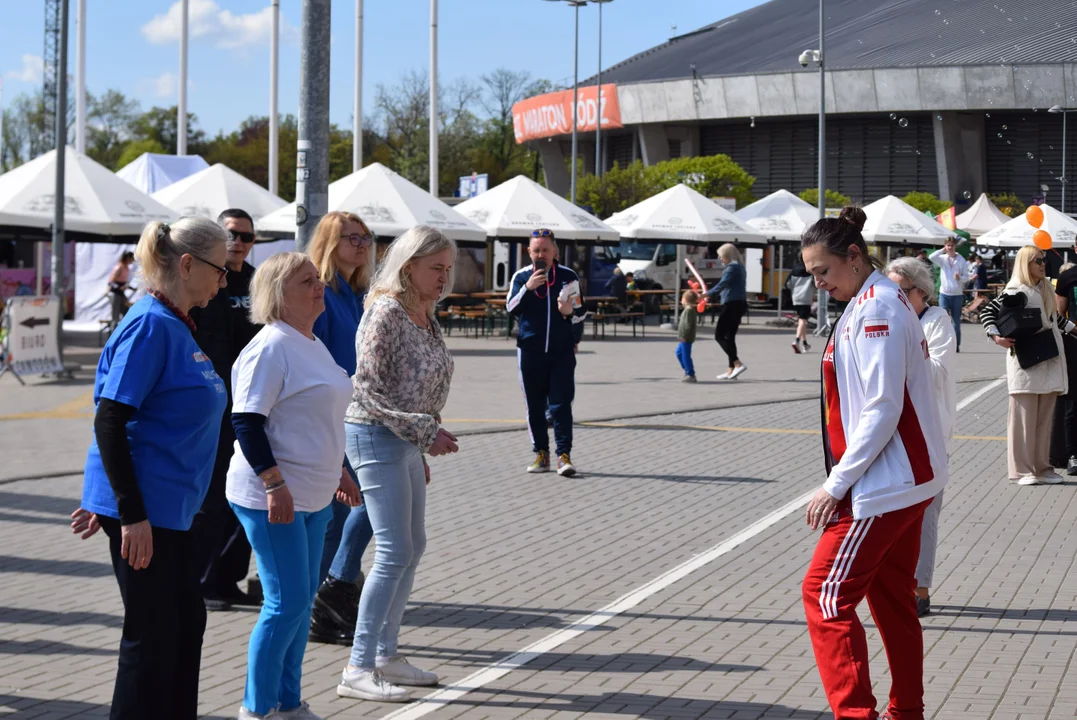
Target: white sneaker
{"x": 245, "y": 714}
{"x": 737, "y": 371}
{"x": 303, "y": 712}
{"x": 1029, "y": 480}
{"x": 397, "y": 669}
{"x": 370, "y": 685}
{"x": 1050, "y": 477}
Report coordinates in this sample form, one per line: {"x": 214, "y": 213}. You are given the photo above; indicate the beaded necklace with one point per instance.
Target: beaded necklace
{"x": 179, "y": 313}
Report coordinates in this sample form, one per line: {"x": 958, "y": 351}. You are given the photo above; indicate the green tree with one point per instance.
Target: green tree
{"x": 926, "y": 202}
{"x": 110, "y": 118}
{"x": 834, "y": 199}
{"x": 1008, "y": 203}
{"x": 712, "y": 175}
{"x": 160, "y": 124}
{"x": 619, "y": 188}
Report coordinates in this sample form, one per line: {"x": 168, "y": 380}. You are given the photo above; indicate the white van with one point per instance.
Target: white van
{"x": 657, "y": 262}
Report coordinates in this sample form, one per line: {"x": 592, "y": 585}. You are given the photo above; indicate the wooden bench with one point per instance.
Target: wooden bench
{"x": 602, "y": 319}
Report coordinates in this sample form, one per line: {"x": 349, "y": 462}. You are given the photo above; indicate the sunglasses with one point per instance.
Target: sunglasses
{"x": 359, "y": 239}
{"x": 542, "y": 232}
{"x": 221, "y": 272}
{"x": 1039, "y": 261}
{"x": 244, "y": 237}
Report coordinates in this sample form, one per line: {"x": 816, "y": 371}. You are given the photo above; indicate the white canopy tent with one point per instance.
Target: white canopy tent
{"x": 1017, "y": 233}
{"x": 515, "y": 208}
{"x": 683, "y": 214}
{"x": 218, "y": 188}
{"x": 780, "y": 216}
{"x": 981, "y": 217}
{"x": 150, "y": 172}
{"x": 387, "y": 202}
{"x": 891, "y": 221}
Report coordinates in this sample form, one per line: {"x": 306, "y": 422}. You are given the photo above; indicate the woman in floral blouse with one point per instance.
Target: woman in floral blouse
{"x": 401, "y": 383}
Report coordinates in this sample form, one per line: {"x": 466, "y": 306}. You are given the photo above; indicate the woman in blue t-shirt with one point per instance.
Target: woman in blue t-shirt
{"x": 159, "y": 406}
{"x": 341, "y": 250}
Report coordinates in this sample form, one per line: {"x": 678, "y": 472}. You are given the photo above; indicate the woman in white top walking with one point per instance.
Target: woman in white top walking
{"x": 402, "y": 375}
{"x": 915, "y": 281}
{"x": 953, "y": 274}
{"x": 885, "y": 460}
{"x": 288, "y": 398}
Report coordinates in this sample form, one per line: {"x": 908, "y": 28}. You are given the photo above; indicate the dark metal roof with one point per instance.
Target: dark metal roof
{"x": 865, "y": 34}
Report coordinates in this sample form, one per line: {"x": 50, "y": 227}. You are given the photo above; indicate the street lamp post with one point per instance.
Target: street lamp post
{"x": 576, "y": 4}
{"x": 598, "y": 120}
{"x": 806, "y": 58}
{"x": 1062, "y": 180}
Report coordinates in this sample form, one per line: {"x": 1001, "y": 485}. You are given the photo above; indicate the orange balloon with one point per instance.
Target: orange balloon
{"x": 701, "y": 307}
{"x": 1042, "y": 239}
{"x": 1034, "y": 215}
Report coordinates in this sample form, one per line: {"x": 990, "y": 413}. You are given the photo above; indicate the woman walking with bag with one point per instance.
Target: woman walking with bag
{"x": 402, "y": 375}
{"x": 1035, "y": 364}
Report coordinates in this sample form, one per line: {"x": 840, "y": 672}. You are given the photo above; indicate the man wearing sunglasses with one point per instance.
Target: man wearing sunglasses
{"x": 550, "y": 329}
{"x": 224, "y": 329}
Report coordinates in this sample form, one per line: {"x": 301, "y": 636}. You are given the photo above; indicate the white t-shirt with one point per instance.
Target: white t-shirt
{"x": 303, "y": 393}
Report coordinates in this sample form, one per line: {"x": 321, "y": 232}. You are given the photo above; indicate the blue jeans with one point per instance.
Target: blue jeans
{"x": 684, "y": 355}
{"x": 346, "y": 540}
{"x": 952, "y": 304}
{"x": 288, "y": 558}
{"x": 393, "y": 481}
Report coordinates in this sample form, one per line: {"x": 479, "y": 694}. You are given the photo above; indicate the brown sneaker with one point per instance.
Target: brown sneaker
{"x": 541, "y": 464}
{"x": 565, "y": 468}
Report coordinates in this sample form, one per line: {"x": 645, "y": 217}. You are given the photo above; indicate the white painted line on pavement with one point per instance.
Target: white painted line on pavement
{"x": 491, "y": 673}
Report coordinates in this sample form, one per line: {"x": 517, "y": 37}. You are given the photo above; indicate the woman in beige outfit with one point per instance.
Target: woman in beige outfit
{"x": 1033, "y": 390}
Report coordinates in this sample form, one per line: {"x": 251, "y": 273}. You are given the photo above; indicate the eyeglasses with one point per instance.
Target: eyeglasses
{"x": 542, "y": 232}
{"x": 221, "y": 272}
{"x": 359, "y": 239}
{"x": 906, "y": 290}
{"x": 1039, "y": 261}
{"x": 244, "y": 237}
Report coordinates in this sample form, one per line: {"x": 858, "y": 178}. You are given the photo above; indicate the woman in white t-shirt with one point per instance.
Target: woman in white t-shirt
{"x": 288, "y": 399}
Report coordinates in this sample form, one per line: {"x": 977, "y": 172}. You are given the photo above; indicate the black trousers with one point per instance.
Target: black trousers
{"x": 164, "y": 619}
{"x": 725, "y": 330}
{"x": 221, "y": 547}
{"x": 1064, "y": 427}
{"x": 549, "y": 378}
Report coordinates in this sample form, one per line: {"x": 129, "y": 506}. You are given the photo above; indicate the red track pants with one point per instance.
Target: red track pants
{"x": 874, "y": 557}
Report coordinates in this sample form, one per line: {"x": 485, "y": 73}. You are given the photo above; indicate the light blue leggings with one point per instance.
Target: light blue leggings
{"x": 289, "y": 557}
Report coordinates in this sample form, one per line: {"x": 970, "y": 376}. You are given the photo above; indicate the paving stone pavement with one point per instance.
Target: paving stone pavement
{"x": 513, "y": 558}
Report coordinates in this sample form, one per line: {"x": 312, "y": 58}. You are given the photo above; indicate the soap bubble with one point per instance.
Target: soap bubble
{"x": 1000, "y": 136}
{"x": 893, "y": 116}
{"x": 967, "y": 195}
{"x": 938, "y": 12}
{"x": 1031, "y": 156}
{"x": 1004, "y": 127}
{"x": 939, "y": 117}
{"x": 903, "y": 122}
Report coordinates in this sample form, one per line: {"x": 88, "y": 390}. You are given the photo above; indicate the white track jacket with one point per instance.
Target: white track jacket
{"x": 883, "y": 437}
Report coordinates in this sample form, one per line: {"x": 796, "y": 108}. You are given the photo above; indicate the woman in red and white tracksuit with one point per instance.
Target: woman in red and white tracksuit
{"x": 886, "y": 460}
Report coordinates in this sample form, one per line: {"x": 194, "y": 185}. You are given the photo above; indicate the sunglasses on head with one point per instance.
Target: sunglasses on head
{"x": 244, "y": 237}
{"x": 542, "y": 232}
{"x": 359, "y": 239}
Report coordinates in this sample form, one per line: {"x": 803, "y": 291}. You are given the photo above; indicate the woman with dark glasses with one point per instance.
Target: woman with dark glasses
{"x": 159, "y": 406}
{"x": 341, "y": 250}
{"x": 1035, "y": 369}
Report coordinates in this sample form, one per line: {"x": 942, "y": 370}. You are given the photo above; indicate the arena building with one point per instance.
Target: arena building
{"x": 949, "y": 97}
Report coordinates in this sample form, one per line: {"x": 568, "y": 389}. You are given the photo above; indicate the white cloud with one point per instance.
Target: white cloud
{"x": 30, "y": 72}
{"x": 207, "y": 21}
{"x": 165, "y": 85}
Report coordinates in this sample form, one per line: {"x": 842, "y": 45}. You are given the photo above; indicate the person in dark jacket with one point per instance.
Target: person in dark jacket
{"x": 732, "y": 290}
{"x": 617, "y": 286}
{"x": 545, "y": 298}
{"x": 224, "y": 329}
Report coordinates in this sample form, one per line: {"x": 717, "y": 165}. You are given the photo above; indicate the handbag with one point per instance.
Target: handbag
{"x": 1034, "y": 349}
{"x": 1016, "y": 319}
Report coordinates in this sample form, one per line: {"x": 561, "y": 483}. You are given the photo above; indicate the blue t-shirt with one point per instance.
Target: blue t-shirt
{"x": 152, "y": 363}
{"x": 337, "y": 325}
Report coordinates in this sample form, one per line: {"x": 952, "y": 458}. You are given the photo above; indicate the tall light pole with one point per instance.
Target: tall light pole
{"x": 576, "y": 4}
{"x": 1062, "y": 180}
{"x": 61, "y": 155}
{"x": 806, "y": 58}
{"x": 80, "y": 77}
{"x": 598, "y": 120}
{"x": 312, "y": 147}
{"x": 181, "y": 110}
{"x": 357, "y": 107}
{"x": 434, "y": 125}
{"x": 274, "y": 126}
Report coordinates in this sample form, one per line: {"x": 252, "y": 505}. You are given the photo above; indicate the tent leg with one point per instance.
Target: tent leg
{"x": 781, "y": 266}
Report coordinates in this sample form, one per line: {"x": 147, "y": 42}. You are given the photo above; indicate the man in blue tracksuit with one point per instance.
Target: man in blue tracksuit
{"x": 549, "y": 331}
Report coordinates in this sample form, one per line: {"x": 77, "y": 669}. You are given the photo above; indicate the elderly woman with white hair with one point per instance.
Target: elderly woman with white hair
{"x": 402, "y": 375}
{"x": 288, "y": 399}
{"x": 915, "y": 281}
{"x": 732, "y": 292}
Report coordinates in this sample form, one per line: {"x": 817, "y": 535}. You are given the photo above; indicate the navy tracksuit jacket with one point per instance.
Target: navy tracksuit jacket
{"x": 546, "y": 345}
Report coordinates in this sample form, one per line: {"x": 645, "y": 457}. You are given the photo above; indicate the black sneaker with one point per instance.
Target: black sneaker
{"x": 339, "y": 601}
{"x": 323, "y": 629}
{"x": 923, "y": 607}
{"x": 234, "y": 596}
{"x": 1071, "y": 467}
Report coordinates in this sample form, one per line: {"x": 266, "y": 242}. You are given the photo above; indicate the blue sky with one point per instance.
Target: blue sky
{"x": 132, "y": 46}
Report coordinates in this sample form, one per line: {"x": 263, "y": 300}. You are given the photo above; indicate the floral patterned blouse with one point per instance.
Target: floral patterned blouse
{"x": 402, "y": 373}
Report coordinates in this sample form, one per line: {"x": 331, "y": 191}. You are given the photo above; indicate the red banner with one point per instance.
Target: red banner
{"x": 551, "y": 114}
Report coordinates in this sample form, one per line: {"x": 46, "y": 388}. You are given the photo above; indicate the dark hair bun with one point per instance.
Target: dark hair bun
{"x": 855, "y": 216}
